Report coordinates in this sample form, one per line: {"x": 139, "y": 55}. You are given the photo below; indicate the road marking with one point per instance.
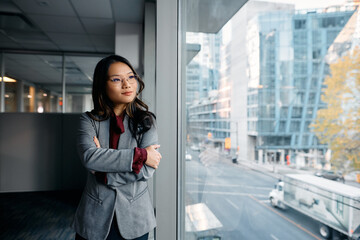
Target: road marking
{"x": 273, "y": 237}
{"x": 227, "y": 185}
{"x": 229, "y": 193}
{"x": 232, "y": 204}
{"x": 288, "y": 219}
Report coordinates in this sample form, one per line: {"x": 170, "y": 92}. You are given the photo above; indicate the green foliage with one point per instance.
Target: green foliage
{"x": 339, "y": 124}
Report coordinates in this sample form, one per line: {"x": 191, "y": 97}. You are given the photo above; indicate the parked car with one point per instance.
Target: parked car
{"x": 188, "y": 157}
{"x": 331, "y": 175}
{"x": 195, "y": 148}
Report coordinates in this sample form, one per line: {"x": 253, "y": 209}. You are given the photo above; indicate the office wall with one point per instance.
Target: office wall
{"x": 38, "y": 152}
{"x": 129, "y": 43}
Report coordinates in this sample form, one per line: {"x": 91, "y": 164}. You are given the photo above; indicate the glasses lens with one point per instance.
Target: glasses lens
{"x": 132, "y": 79}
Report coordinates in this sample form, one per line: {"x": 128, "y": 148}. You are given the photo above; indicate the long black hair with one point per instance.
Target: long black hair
{"x": 140, "y": 118}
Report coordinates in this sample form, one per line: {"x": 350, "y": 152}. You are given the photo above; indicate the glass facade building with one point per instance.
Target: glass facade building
{"x": 202, "y": 84}
{"x": 286, "y": 70}
{"x": 219, "y": 112}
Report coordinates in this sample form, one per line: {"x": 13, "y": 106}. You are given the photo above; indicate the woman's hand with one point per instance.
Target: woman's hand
{"x": 97, "y": 143}
{"x": 153, "y": 156}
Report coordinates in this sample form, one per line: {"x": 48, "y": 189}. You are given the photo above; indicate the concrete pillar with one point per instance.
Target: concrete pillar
{"x": 148, "y": 95}
{"x": 129, "y": 43}
{"x": 20, "y": 96}
{"x": 282, "y": 157}
{"x": 265, "y": 157}
{"x": 167, "y": 119}
{"x": 260, "y": 156}
{"x": 2, "y": 86}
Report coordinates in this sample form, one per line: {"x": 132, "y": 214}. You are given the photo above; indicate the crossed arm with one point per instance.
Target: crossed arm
{"x": 153, "y": 156}
{"x": 146, "y": 172}
{"x": 116, "y": 163}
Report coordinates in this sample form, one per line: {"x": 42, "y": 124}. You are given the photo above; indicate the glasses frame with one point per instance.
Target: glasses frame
{"x": 128, "y": 79}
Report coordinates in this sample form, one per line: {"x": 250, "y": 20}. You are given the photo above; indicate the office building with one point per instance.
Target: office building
{"x": 286, "y": 70}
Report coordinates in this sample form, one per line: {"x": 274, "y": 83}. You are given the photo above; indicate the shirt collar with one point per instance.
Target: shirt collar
{"x": 118, "y": 122}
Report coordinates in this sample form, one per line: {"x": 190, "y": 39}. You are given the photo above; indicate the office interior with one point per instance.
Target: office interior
{"x": 48, "y": 51}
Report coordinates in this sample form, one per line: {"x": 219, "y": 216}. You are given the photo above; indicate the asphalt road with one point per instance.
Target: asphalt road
{"x": 238, "y": 197}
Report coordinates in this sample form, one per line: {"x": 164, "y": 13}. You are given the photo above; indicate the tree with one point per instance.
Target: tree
{"x": 338, "y": 125}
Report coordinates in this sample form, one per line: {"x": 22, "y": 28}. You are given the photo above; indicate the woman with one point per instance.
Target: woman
{"x": 117, "y": 144}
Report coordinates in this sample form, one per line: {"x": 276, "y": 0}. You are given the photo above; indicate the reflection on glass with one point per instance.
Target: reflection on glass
{"x": 78, "y": 72}
{"x": 270, "y": 90}
{"x": 38, "y": 86}
{"x": 29, "y": 98}
{"x": 10, "y": 94}
{"x": 38, "y": 78}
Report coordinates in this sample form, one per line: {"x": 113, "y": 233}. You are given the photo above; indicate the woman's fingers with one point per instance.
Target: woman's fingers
{"x": 97, "y": 143}
{"x": 156, "y": 146}
{"x": 153, "y": 156}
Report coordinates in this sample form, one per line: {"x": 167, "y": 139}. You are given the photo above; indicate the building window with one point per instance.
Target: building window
{"x": 300, "y": 24}
{"x": 258, "y": 98}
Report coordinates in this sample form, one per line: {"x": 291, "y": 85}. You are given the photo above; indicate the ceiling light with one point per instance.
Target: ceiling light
{"x": 7, "y": 79}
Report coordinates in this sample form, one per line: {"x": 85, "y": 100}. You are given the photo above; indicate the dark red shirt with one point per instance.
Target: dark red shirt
{"x": 116, "y": 129}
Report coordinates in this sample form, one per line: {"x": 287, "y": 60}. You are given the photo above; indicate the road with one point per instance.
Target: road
{"x": 238, "y": 197}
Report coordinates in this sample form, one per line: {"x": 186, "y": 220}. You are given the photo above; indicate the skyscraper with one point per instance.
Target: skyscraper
{"x": 286, "y": 70}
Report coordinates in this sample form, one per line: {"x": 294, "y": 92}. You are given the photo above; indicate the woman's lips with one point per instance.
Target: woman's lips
{"x": 127, "y": 93}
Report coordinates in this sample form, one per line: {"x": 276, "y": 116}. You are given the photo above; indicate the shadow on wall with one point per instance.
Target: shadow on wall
{"x": 38, "y": 152}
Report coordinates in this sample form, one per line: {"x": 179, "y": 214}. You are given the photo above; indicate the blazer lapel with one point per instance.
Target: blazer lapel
{"x": 125, "y": 137}
{"x": 104, "y": 133}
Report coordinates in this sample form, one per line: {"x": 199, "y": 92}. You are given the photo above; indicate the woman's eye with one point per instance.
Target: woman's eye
{"x": 115, "y": 80}
{"x": 131, "y": 77}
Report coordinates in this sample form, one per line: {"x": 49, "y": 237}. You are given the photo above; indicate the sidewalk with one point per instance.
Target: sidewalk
{"x": 274, "y": 170}
{"x": 277, "y": 170}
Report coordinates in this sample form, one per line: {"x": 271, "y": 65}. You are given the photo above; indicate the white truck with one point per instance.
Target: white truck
{"x": 334, "y": 205}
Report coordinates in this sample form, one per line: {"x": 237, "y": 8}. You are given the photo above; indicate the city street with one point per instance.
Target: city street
{"x": 238, "y": 197}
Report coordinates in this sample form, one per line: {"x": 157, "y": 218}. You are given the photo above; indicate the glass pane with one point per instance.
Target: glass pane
{"x": 10, "y": 94}
{"x": 36, "y": 85}
{"x": 79, "y": 73}
{"x": 271, "y": 92}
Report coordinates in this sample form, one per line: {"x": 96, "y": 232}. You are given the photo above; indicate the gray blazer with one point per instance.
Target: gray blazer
{"x": 125, "y": 193}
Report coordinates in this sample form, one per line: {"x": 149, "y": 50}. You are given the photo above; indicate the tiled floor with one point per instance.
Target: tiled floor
{"x": 38, "y": 215}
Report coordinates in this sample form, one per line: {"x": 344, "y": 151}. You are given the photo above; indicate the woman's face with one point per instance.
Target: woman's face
{"x": 121, "y": 84}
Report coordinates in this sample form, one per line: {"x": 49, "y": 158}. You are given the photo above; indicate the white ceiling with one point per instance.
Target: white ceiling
{"x": 85, "y": 27}
{"x": 66, "y": 25}
{"x": 82, "y": 27}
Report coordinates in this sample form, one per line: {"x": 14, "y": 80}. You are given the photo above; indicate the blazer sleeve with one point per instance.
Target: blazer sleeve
{"x": 115, "y": 179}
{"x": 100, "y": 159}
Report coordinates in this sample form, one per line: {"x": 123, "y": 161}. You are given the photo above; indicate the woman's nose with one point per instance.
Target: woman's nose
{"x": 125, "y": 84}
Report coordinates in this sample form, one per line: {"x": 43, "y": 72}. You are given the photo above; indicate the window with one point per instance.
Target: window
{"x": 300, "y": 24}
{"x": 37, "y": 87}
{"x": 271, "y": 73}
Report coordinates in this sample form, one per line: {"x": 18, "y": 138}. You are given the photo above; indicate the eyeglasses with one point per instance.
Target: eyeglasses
{"x": 130, "y": 79}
